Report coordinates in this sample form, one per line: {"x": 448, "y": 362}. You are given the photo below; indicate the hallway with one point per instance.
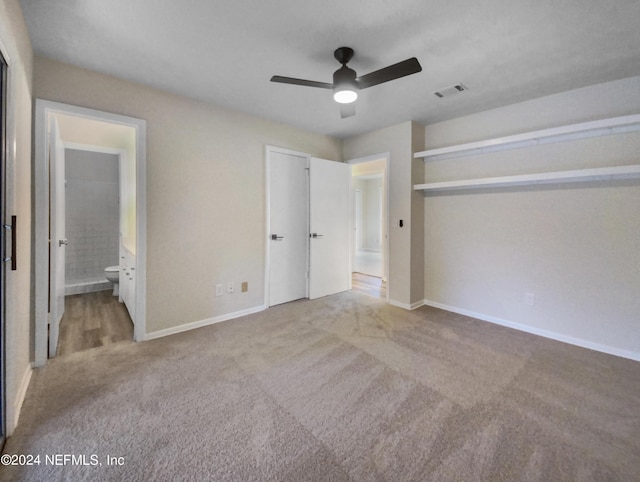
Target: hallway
{"x": 368, "y": 262}
{"x": 92, "y": 320}
{"x": 369, "y": 285}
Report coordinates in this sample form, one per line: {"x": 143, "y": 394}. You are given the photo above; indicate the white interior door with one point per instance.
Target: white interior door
{"x": 329, "y": 270}
{"x": 57, "y": 237}
{"x": 288, "y": 232}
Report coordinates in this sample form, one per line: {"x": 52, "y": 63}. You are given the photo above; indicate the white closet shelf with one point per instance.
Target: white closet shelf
{"x": 577, "y": 175}
{"x": 603, "y": 127}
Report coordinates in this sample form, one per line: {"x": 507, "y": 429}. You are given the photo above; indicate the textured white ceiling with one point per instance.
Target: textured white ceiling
{"x": 225, "y": 51}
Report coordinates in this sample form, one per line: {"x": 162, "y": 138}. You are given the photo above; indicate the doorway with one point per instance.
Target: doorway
{"x": 60, "y": 126}
{"x": 370, "y": 248}
{"x": 368, "y": 224}
{"x": 94, "y": 190}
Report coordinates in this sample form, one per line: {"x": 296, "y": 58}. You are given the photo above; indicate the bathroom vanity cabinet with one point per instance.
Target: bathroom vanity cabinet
{"x": 128, "y": 281}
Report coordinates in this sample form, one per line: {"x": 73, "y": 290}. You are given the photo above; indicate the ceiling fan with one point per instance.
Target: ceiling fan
{"x": 346, "y": 83}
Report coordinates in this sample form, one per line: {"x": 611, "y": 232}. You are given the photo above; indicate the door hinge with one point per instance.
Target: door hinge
{"x": 12, "y": 227}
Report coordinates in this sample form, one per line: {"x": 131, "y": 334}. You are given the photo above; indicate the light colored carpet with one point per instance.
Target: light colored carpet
{"x": 340, "y": 388}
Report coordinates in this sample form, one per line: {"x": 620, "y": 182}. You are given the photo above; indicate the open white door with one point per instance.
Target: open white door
{"x": 57, "y": 239}
{"x": 330, "y": 184}
{"x": 288, "y": 230}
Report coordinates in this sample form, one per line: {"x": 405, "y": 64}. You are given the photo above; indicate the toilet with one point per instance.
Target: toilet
{"x": 112, "y": 273}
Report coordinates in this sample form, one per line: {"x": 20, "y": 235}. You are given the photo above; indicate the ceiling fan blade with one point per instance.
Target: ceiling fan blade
{"x": 347, "y": 110}
{"x": 306, "y": 83}
{"x": 395, "y": 71}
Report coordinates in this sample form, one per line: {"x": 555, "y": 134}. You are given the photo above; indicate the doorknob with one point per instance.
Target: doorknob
{"x": 275, "y": 237}
{"x": 315, "y": 235}
{"x": 62, "y": 241}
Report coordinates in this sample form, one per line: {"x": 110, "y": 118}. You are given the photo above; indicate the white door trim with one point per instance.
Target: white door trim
{"x": 267, "y": 215}
{"x": 43, "y": 110}
{"x": 5, "y": 189}
{"x": 93, "y": 148}
{"x": 57, "y": 214}
{"x": 386, "y": 156}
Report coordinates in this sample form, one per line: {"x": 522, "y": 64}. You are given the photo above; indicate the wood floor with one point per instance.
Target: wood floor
{"x": 369, "y": 285}
{"x": 91, "y": 320}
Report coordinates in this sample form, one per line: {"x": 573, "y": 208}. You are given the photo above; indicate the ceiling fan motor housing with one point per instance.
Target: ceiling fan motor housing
{"x": 343, "y": 54}
{"x": 345, "y": 75}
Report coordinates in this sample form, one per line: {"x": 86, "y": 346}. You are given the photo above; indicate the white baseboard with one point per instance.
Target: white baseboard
{"x": 406, "y": 306}
{"x": 198, "y": 324}
{"x": 89, "y": 287}
{"x": 540, "y": 332}
{"x": 17, "y": 404}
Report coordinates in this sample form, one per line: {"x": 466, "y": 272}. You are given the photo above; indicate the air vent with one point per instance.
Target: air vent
{"x": 449, "y": 91}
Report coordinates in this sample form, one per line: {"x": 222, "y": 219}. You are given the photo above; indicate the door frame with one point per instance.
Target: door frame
{"x": 44, "y": 109}
{"x": 357, "y": 221}
{"x": 267, "y": 259}
{"x": 386, "y": 157}
{"x": 57, "y": 199}
{"x": 4, "y": 155}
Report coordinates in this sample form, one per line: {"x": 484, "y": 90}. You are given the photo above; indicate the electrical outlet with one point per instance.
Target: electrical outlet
{"x": 230, "y": 289}
{"x": 529, "y": 299}
{"x": 245, "y": 286}
{"x": 219, "y": 289}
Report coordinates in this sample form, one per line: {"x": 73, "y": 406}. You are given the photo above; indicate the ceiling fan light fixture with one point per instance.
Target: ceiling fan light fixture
{"x": 345, "y": 94}
{"x": 345, "y": 85}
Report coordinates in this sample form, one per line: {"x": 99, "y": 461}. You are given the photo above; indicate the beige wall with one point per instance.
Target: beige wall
{"x": 405, "y": 278}
{"x": 574, "y": 246}
{"x": 205, "y": 190}
{"x": 417, "y": 216}
{"x": 369, "y": 167}
{"x": 16, "y": 48}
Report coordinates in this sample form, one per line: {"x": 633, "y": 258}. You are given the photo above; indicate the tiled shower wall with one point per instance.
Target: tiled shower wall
{"x": 92, "y": 218}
